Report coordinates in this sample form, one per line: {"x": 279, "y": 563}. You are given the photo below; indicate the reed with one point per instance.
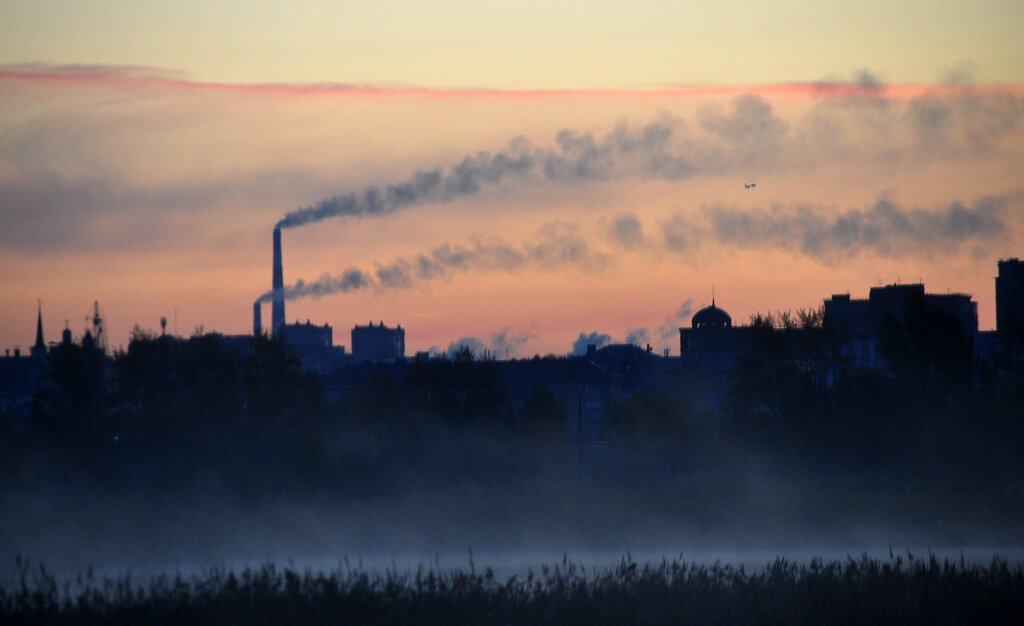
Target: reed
{"x": 901, "y": 590}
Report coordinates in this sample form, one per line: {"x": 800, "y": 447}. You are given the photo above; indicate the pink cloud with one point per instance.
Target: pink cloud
{"x": 140, "y": 76}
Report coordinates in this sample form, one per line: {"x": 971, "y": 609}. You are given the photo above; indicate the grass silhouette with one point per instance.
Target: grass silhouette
{"x": 900, "y": 590}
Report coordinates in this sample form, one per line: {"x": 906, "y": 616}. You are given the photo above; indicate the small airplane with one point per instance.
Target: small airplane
{"x": 749, "y": 185}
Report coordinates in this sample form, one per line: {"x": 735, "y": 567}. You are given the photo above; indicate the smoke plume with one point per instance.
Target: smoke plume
{"x": 596, "y": 339}
{"x": 725, "y": 140}
{"x": 503, "y": 345}
{"x": 643, "y": 151}
{"x": 351, "y": 280}
{"x": 821, "y": 233}
{"x": 669, "y": 329}
{"x": 667, "y": 333}
{"x": 556, "y": 246}
{"x": 638, "y": 337}
{"x": 884, "y": 228}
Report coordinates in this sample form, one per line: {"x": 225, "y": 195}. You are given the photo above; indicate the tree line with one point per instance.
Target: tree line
{"x": 168, "y": 412}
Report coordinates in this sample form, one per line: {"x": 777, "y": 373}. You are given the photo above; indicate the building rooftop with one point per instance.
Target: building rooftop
{"x": 711, "y": 317}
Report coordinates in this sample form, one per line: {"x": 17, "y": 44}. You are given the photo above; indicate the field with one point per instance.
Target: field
{"x": 904, "y": 589}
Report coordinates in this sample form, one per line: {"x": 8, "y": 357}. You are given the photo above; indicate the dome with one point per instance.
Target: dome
{"x": 711, "y": 317}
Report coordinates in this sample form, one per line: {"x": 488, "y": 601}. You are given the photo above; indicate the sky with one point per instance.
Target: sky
{"x": 522, "y": 176}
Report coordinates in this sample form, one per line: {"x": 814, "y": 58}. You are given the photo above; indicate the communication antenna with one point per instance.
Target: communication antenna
{"x": 98, "y": 330}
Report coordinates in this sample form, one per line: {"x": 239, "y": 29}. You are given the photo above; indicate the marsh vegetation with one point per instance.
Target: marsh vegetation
{"x": 901, "y": 590}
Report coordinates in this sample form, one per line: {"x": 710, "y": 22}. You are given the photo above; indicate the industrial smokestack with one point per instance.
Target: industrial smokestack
{"x": 257, "y": 319}
{"x": 277, "y": 308}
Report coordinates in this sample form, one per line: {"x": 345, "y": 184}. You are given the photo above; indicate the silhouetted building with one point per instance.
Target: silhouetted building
{"x": 308, "y": 337}
{"x": 711, "y": 318}
{"x": 19, "y": 374}
{"x": 18, "y": 381}
{"x": 314, "y": 345}
{"x": 857, "y": 323}
{"x": 712, "y": 343}
{"x": 239, "y": 344}
{"x": 1010, "y": 303}
{"x": 39, "y": 348}
{"x": 22, "y": 375}
{"x": 378, "y": 343}
{"x": 987, "y": 346}
{"x": 96, "y": 334}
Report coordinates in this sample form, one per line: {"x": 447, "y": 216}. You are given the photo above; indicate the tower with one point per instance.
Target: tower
{"x": 38, "y": 350}
{"x": 257, "y": 320}
{"x": 277, "y": 306}
{"x": 1010, "y": 300}
{"x": 98, "y": 333}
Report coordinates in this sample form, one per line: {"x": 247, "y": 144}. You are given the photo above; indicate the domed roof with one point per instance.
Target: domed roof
{"x": 711, "y": 317}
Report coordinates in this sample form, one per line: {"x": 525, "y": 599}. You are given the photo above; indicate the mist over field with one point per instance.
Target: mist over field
{"x": 437, "y": 468}
{"x": 730, "y": 517}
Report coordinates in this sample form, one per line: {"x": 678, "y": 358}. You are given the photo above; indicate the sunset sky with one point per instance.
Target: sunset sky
{"x": 515, "y": 172}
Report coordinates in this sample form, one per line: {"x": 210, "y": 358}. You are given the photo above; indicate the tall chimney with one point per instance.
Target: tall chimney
{"x": 277, "y": 308}
{"x": 257, "y": 319}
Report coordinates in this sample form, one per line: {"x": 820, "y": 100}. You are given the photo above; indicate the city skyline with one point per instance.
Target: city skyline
{"x": 149, "y": 178}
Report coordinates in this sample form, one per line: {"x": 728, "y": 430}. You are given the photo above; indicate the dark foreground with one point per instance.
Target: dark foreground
{"x": 902, "y": 590}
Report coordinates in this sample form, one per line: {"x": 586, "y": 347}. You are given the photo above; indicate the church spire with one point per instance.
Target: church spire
{"x": 39, "y": 349}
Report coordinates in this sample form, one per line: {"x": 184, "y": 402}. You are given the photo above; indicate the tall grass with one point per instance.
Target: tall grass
{"x": 902, "y": 590}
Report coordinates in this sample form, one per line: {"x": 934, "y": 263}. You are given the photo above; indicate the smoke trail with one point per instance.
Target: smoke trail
{"x": 825, "y": 233}
{"x": 884, "y": 228}
{"x": 556, "y": 246}
{"x": 669, "y": 329}
{"x": 638, "y": 337}
{"x": 820, "y": 233}
{"x": 641, "y": 151}
{"x": 724, "y": 140}
{"x": 503, "y": 345}
{"x": 667, "y": 333}
{"x": 598, "y": 340}
{"x": 351, "y": 280}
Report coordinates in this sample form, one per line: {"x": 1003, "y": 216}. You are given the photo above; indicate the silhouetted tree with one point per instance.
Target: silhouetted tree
{"x": 927, "y": 348}
{"x": 186, "y": 387}
{"x": 281, "y": 397}
{"x": 73, "y": 400}
{"x": 778, "y": 389}
{"x": 662, "y": 428}
{"x": 461, "y": 389}
{"x": 866, "y": 426}
{"x": 542, "y": 418}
